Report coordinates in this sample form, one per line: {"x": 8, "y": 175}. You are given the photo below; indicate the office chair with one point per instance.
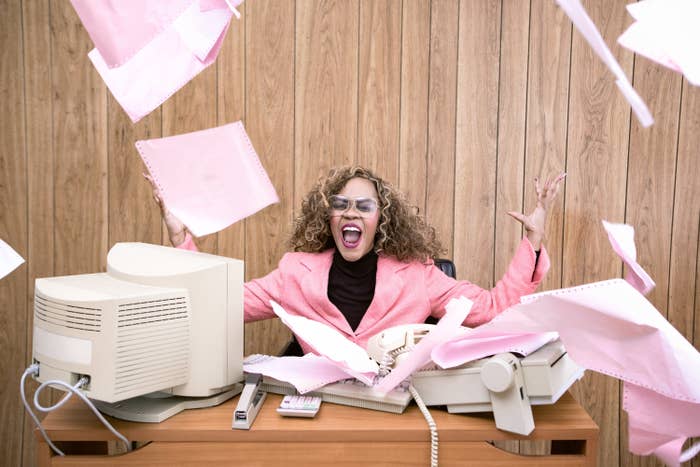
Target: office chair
{"x": 293, "y": 349}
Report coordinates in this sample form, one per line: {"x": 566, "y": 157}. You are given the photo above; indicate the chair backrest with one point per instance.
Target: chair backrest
{"x": 446, "y": 266}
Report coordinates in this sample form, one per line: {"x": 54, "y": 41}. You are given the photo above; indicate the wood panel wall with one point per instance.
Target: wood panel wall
{"x": 459, "y": 103}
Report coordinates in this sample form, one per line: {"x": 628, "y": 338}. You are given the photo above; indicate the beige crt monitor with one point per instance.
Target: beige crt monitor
{"x": 159, "y": 320}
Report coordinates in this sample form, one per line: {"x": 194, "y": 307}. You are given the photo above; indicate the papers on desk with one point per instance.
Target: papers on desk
{"x": 338, "y": 358}
{"x": 9, "y": 259}
{"x": 331, "y": 344}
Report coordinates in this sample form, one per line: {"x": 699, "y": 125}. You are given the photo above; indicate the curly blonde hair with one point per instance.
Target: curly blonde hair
{"x": 401, "y": 232}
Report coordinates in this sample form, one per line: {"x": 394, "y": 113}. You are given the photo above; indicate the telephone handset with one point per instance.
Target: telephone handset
{"x": 390, "y": 346}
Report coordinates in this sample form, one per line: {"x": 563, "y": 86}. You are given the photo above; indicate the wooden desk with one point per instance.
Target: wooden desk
{"x": 338, "y": 436}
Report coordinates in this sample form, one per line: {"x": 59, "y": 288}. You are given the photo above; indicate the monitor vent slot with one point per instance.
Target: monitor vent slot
{"x": 152, "y": 311}
{"x": 153, "y": 345}
{"x": 67, "y": 315}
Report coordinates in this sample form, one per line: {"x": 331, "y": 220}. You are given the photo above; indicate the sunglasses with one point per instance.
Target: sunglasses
{"x": 340, "y": 204}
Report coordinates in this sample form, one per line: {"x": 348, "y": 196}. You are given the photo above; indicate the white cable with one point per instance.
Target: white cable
{"x": 431, "y": 424}
{"x": 690, "y": 453}
{"x": 58, "y": 404}
{"x": 34, "y": 369}
{"x": 87, "y": 401}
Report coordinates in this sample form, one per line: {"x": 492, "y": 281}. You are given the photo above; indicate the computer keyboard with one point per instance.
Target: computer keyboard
{"x": 349, "y": 392}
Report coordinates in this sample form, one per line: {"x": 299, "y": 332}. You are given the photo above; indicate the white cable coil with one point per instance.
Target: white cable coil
{"x": 33, "y": 370}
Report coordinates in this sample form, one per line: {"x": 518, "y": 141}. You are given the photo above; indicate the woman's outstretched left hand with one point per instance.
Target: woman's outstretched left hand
{"x": 535, "y": 222}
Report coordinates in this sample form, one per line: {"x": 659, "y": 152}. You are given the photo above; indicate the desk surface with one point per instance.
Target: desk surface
{"x": 564, "y": 420}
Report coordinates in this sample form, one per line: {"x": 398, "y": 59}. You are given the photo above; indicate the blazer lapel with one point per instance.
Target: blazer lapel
{"x": 314, "y": 287}
{"x": 387, "y": 290}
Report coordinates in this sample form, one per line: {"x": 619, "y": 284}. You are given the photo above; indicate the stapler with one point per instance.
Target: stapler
{"x": 249, "y": 404}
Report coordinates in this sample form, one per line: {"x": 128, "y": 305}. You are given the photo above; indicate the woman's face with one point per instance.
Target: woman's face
{"x": 354, "y": 218}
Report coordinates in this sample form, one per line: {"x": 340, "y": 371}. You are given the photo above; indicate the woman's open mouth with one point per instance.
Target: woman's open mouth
{"x": 351, "y": 235}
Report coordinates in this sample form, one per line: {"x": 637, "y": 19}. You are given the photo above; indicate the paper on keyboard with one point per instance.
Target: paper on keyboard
{"x": 330, "y": 343}
{"x": 305, "y": 373}
{"x": 9, "y": 259}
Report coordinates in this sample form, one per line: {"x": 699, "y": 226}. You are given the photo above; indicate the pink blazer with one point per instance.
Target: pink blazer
{"x": 404, "y": 292}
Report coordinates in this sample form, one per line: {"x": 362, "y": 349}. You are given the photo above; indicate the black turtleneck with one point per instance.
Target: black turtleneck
{"x": 351, "y": 285}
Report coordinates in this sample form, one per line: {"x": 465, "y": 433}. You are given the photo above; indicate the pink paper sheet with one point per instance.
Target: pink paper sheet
{"x": 448, "y": 327}
{"x": 490, "y": 343}
{"x": 120, "y": 28}
{"x": 587, "y": 28}
{"x": 9, "y": 259}
{"x": 209, "y": 179}
{"x": 305, "y": 373}
{"x": 180, "y": 51}
{"x": 621, "y": 238}
{"x": 328, "y": 342}
{"x": 609, "y": 327}
{"x": 667, "y": 32}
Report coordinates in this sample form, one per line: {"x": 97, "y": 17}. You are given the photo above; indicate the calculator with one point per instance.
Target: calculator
{"x": 299, "y": 406}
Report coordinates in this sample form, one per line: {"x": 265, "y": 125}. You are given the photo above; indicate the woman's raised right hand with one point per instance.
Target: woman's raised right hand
{"x": 177, "y": 231}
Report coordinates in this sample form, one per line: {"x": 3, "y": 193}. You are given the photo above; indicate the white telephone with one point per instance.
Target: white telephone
{"x": 389, "y": 346}
{"x": 505, "y": 384}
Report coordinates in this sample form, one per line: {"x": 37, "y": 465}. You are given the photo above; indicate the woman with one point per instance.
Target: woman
{"x": 362, "y": 260}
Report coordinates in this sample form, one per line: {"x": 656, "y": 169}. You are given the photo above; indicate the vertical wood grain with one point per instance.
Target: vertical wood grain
{"x": 134, "y": 216}
{"x": 379, "y": 92}
{"x": 325, "y": 108}
{"x": 415, "y": 69}
{"x": 476, "y": 139}
{"x": 79, "y": 112}
{"x": 270, "y": 125}
{"x": 682, "y": 311}
{"x": 40, "y": 172}
{"x": 547, "y": 106}
{"x": 512, "y": 109}
{"x": 442, "y": 95}
{"x": 684, "y": 288}
{"x": 598, "y": 125}
{"x": 13, "y": 228}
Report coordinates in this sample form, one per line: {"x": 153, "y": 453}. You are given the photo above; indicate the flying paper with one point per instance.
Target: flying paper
{"x": 208, "y": 179}
{"x": 9, "y": 259}
{"x": 147, "y": 53}
{"x": 121, "y": 28}
{"x": 621, "y": 238}
{"x": 666, "y": 32}
{"x": 609, "y": 327}
{"x": 575, "y": 11}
